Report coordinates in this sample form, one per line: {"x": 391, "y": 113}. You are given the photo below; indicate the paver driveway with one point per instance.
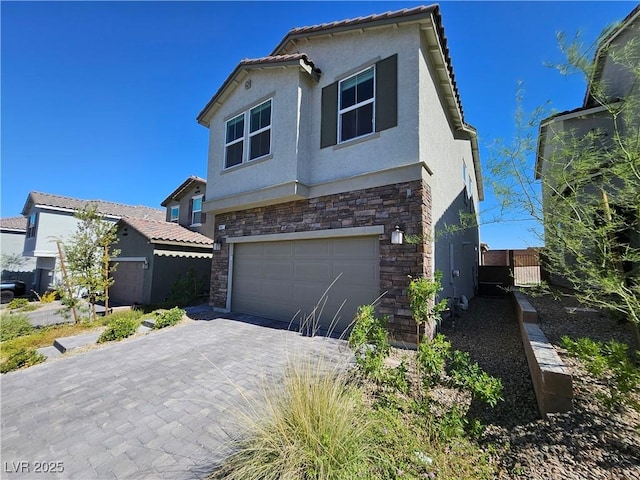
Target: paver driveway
{"x": 148, "y": 407}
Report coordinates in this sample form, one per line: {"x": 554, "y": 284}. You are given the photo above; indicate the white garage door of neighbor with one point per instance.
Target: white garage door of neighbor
{"x": 128, "y": 282}
{"x": 278, "y": 279}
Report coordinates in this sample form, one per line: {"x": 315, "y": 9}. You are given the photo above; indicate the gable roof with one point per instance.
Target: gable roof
{"x": 166, "y": 232}
{"x": 109, "y": 209}
{"x": 431, "y": 21}
{"x": 300, "y": 60}
{"x": 14, "y": 224}
{"x": 187, "y": 184}
{"x": 419, "y": 14}
{"x": 602, "y": 51}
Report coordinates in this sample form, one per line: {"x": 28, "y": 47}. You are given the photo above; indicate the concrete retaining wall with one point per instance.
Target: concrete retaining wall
{"x": 552, "y": 382}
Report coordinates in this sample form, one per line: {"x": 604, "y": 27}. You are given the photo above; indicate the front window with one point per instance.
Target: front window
{"x": 234, "y": 146}
{"x": 258, "y": 136}
{"x": 174, "y": 213}
{"x": 196, "y": 212}
{"x": 260, "y": 131}
{"x": 356, "y": 105}
{"x": 31, "y": 226}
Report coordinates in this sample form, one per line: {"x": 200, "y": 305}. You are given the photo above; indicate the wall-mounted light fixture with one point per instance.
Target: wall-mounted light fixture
{"x": 217, "y": 245}
{"x": 396, "y": 236}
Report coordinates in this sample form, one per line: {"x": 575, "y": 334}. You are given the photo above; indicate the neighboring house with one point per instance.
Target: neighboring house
{"x": 153, "y": 255}
{"x": 15, "y": 266}
{"x": 185, "y": 205}
{"x": 614, "y": 83}
{"x": 318, "y": 151}
{"x": 51, "y": 218}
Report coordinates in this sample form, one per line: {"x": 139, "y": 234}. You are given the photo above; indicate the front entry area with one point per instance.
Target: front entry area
{"x": 284, "y": 280}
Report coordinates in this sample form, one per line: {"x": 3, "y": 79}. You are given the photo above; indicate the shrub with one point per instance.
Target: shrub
{"x": 468, "y": 375}
{"x": 168, "y": 318}
{"x": 422, "y": 298}
{"x": 14, "y": 325}
{"x": 17, "y": 303}
{"x": 432, "y": 357}
{"x": 313, "y": 427}
{"x": 610, "y": 363}
{"x": 369, "y": 342}
{"x": 24, "y": 357}
{"x": 49, "y": 296}
{"x": 186, "y": 290}
{"x": 119, "y": 328}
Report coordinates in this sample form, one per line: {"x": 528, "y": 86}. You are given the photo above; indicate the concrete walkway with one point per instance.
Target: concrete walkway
{"x": 162, "y": 405}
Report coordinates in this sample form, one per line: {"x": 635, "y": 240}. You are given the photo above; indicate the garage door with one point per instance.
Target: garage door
{"x": 278, "y": 279}
{"x": 128, "y": 282}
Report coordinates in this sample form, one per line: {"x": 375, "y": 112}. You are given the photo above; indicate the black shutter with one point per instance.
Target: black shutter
{"x": 387, "y": 93}
{"x": 190, "y": 217}
{"x": 329, "y": 116}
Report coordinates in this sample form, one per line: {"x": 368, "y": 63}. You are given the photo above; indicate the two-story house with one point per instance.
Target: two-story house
{"x": 156, "y": 253}
{"x": 610, "y": 115}
{"x": 15, "y": 266}
{"x": 51, "y": 218}
{"x": 322, "y": 153}
{"x": 185, "y": 205}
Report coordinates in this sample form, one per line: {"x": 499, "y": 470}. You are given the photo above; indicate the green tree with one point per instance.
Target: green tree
{"x": 87, "y": 254}
{"x": 584, "y": 186}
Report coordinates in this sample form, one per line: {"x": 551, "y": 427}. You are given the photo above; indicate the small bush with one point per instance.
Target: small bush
{"x": 13, "y": 326}
{"x": 610, "y": 363}
{"x": 49, "y": 296}
{"x": 168, "y": 318}
{"x": 432, "y": 357}
{"x": 17, "y": 303}
{"x": 186, "y": 290}
{"x": 25, "y": 357}
{"x": 119, "y": 328}
{"x": 369, "y": 342}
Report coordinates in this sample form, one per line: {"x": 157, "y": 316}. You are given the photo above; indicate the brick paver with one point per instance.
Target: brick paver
{"x": 159, "y": 406}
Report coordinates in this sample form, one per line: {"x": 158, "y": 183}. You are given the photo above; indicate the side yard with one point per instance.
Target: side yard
{"x": 589, "y": 442}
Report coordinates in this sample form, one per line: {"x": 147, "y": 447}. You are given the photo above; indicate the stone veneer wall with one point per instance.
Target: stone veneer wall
{"x": 405, "y": 204}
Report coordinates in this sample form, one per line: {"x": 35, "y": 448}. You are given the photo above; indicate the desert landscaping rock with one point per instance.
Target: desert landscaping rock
{"x": 586, "y": 443}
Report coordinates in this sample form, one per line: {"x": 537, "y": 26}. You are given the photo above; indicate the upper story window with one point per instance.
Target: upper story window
{"x": 174, "y": 213}
{"x": 260, "y": 131}
{"x": 258, "y": 135}
{"x": 196, "y": 210}
{"x": 31, "y": 225}
{"x": 357, "y": 105}
{"x": 361, "y": 103}
{"x": 234, "y": 146}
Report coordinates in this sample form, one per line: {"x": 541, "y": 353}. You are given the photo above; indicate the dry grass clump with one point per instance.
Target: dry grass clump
{"x": 311, "y": 426}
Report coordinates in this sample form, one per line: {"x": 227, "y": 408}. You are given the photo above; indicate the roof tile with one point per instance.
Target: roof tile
{"x": 14, "y": 223}
{"x": 104, "y": 208}
{"x": 154, "y": 230}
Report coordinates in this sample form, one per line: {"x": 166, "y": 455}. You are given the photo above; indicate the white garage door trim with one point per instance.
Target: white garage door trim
{"x": 277, "y": 237}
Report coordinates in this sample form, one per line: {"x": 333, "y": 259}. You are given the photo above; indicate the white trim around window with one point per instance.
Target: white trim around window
{"x": 252, "y": 128}
{"x": 357, "y": 105}
{"x": 196, "y": 214}
{"x": 174, "y": 213}
{"x": 32, "y": 222}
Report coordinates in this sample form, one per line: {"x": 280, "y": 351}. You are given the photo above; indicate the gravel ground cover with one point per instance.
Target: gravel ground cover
{"x": 587, "y": 443}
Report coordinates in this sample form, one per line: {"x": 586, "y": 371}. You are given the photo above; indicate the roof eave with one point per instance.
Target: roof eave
{"x": 296, "y": 34}
{"x": 204, "y": 117}
{"x": 175, "y": 195}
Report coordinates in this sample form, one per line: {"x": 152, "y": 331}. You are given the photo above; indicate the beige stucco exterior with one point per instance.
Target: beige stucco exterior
{"x": 428, "y": 150}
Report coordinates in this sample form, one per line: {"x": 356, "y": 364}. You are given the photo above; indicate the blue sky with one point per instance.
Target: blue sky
{"x": 99, "y": 99}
